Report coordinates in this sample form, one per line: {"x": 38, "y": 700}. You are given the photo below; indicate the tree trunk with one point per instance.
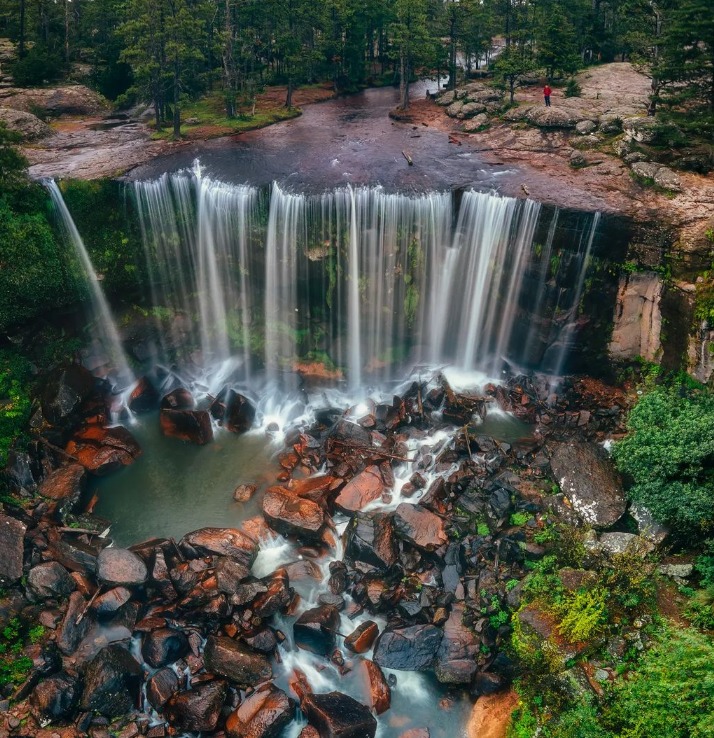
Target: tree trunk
{"x": 512, "y": 88}
{"x": 66, "y": 31}
{"x": 403, "y": 80}
{"x": 229, "y": 65}
{"x": 177, "y": 93}
{"x": 21, "y": 40}
{"x": 289, "y": 97}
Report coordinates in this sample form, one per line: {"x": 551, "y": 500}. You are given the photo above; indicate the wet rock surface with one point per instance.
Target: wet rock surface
{"x": 337, "y": 715}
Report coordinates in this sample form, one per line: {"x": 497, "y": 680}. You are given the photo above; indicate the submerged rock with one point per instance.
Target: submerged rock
{"x": 144, "y": 398}
{"x": 193, "y": 426}
{"x": 588, "y": 479}
{"x": 336, "y": 715}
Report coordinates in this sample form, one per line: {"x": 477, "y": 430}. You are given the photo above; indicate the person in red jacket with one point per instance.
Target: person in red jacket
{"x": 546, "y": 94}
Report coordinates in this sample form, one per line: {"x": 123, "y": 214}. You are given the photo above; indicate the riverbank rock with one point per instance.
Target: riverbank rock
{"x": 55, "y": 101}
{"x": 29, "y": 126}
{"x": 336, "y": 715}
{"x": 49, "y": 580}
{"x": 56, "y": 697}
{"x": 588, "y": 479}
{"x": 64, "y": 391}
{"x": 413, "y": 648}
{"x": 198, "y": 709}
{"x": 418, "y": 526}
{"x": 193, "y": 426}
{"x": 366, "y": 487}
{"x": 456, "y": 658}
{"x": 163, "y": 646}
{"x": 291, "y": 515}
{"x": 12, "y": 535}
{"x": 236, "y": 662}
{"x": 262, "y": 714}
{"x": 120, "y": 567}
{"x": 112, "y": 681}
{"x": 371, "y": 539}
{"x": 102, "y": 451}
{"x": 229, "y": 542}
{"x": 66, "y": 483}
{"x": 160, "y": 686}
{"x": 491, "y": 715}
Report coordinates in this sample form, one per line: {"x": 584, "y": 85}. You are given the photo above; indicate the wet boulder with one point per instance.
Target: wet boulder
{"x": 291, "y": 515}
{"x": 235, "y": 411}
{"x": 178, "y": 399}
{"x": 198, "y": 709}
{"x": 112, "y": 681}
{"x": 366, "y": 487}
{"x": 144, "y": 398}
{"x": 120, "y": 567}
{"x": 65, "y": 485}
{"x": 316, "y": 628}
{"x": 376, "y": 687}
{"x": 413, "y": 648}
{"x": 587, "y": 477}
{"x": 12, "y": 536}
{"x": 275, "y": 596}
{"x": 360, "y": 640}
{"x": 164, "y": 646}
{"x": 236, "y": 662}
{"x": 262, "y": 714}
{"x": 193, "y": 426}
{"x": 350, "y": 433}
{"x": 64, "y": 391}
{"x": 229, "y": 542}
{"x": 102, "y": 451}
{"x": 456, "y": 658}
{"x": 49, "y": 580}
{"x": 315, "y": 488}
{"x": 229, "y": 574}
{"x": 420, "y": 527}
{"x": 111, "y": 601}
{"x": 160, "y": 686}
{"x": 55, "y": 697}
{"x": 336, "y": 715}
{"x": 371, "y": 539}
{"x": 74, "y": 629}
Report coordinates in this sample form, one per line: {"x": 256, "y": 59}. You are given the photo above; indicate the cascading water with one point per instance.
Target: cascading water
{"x": 109, "y": 356}
{"x": 357, "y": 278}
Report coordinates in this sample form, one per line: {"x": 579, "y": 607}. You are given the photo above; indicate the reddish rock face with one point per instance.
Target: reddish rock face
{"x": 198, "y": 709}
{"x": 193, "y": 426}
{"x": 65, "y": 483}
{"x": 360, "y": 640}
{"x": 229, "y": 542}
{"x": 376, "y": 687}
{"x": 315, "y": 488}
{"x": 235, "y": 661}
{"x": 291, "y": 515}
{"x": 103, "y": 450}
{"x": 419, "y": 527}
{"x": 366, "y": 487}
{"x": 261, "y": 715}
{"x": 336, "y": 715}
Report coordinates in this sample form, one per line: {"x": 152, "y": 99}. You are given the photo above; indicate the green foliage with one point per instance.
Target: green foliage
{"x": 14, "y": 400}
{"x": 583, "y": 614}
{"x": 700, "y": 609}
{"x": 669, "y": 457}
{"x": 14, "y": 667}
{"x": 482, "y": 529}
{"x": 520, "y": 518}
{"x": 38, "y": 67}
{"x": 572, "y": 88}
{"x": 671, "y": 692}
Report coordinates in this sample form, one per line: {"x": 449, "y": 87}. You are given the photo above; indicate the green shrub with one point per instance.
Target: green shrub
{"x": 14, "y": 400}
{"x": 671, "y": 692}
{"x": 37, "y": 67}
{"x": 572, "y": 88}
{"x": 669, "y": 457}
{"x": 583, "y": 614}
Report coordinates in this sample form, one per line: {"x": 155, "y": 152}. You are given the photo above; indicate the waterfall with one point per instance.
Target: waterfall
{"x": 105, "y": 336}
{"x": 360, "y": 280}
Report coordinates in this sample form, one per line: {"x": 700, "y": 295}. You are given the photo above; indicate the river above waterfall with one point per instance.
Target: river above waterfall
{"x": 349, "y": 140}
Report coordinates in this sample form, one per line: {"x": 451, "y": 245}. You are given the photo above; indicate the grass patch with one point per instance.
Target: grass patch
{"x": 210, "y": 114}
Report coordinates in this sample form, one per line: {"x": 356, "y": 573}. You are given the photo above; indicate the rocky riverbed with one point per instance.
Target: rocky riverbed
{"x": 404, "y": 532}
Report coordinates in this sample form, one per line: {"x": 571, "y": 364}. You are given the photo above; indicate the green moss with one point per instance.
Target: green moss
{"x": 582, "y": 614}
{"x": 15, "y": 400}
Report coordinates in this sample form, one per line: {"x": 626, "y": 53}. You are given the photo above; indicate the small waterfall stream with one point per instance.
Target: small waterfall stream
{"x": 106, "y": 342}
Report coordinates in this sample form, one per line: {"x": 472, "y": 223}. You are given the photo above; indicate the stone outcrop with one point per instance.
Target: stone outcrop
{"x": 12, "y": 533}
{"x": 588, "y": 479}
{"x": 638, "y": 319}
{"x": 55, "y": 101}
{"x": 29, "y": 126}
